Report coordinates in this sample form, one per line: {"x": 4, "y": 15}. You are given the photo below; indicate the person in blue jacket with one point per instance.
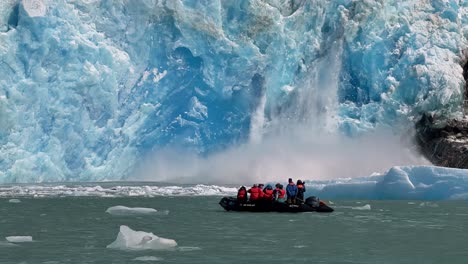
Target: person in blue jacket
{"x": 291, "y": 192}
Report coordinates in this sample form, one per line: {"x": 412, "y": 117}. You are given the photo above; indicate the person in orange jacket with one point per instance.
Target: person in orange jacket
{"x": 254, "y": 193}
{"x": 242, "y": 194}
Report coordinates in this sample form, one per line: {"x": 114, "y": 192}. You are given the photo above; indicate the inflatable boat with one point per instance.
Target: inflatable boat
{"x": 311, "y": 204}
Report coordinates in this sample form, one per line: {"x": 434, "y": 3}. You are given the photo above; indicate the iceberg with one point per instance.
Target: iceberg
{"x": 91, "y": 88}
{"x": 404, "y": 183}
{"x": 128, "y": 239}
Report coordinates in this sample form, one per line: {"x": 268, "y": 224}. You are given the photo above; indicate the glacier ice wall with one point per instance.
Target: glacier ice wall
{"x": 89, "y": 87}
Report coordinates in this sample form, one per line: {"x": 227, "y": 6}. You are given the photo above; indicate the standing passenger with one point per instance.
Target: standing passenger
{"x": 291, "y": 191}
{"x": 300, "y": 191}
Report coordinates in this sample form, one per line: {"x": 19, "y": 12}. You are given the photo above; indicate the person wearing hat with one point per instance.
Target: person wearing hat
{"x": 242, "y": 194}
{"x": 291, "y": 192}
{"x": 268, "y": 192}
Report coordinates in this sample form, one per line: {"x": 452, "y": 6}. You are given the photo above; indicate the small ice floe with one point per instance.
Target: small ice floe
{"x": 123, "y": 210}
{"x": 364, "y": 207}
{"x": 19, "y": 239}
{"x": 148, "y": 258}
{"x": 129, "y": 239}
{"x": 428, "y": 204}
{"x": 14, "y": 201}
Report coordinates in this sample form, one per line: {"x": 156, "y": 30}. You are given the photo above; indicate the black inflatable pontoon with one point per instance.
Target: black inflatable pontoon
{"x": 312, "y": 204}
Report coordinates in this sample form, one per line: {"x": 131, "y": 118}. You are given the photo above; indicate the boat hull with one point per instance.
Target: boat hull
{"x": 232, "y": 204}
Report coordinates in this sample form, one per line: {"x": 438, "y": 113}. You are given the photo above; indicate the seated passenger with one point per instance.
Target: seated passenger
{"x": 261, "y": 194}
{"x": 242, "y": 194}
{"x": 268, "y": 193}
{"x": 279, "y": 193}
{"x": 254, "y": 193}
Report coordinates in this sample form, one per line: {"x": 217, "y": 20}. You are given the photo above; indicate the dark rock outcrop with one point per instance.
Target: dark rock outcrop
{"x": 446, "y": 145}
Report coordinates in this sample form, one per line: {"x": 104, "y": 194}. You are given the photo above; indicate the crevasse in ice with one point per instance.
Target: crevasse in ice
{"x": 88, "y": 87}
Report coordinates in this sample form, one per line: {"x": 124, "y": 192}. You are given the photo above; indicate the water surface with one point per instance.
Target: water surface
{"x": 77, "y": 230}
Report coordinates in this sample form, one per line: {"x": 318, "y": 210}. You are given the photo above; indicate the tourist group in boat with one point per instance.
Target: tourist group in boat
{"x": 294, "y": 193}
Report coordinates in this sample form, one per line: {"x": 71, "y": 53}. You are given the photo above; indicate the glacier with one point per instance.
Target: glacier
{"x": 89, "y": 88}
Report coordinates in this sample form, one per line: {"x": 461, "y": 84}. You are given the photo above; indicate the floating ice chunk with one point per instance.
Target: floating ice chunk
{"x": 19, "y": 239}
{"x": 123, "y": 210}
{"x": 35, "y": 8}
{"x": 14, "y": 201}
{"x": 148, "y": 258}
{"x": 364, "y": 207}
{"x": 129, "y": 239}
{"x": 428, "y": 204}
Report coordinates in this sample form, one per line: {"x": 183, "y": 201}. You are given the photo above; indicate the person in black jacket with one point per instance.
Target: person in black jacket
{"x": 300, "y": 191}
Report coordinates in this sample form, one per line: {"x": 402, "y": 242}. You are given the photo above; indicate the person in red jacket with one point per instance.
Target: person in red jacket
{"x": 261, "y": 193}
{"x": 268, "y": 193}
{"x": 242, "y": 195}
{"x": 254, "y": 193}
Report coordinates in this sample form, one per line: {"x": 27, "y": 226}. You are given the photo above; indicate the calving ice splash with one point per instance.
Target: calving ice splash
{"x": 97, "y": 90}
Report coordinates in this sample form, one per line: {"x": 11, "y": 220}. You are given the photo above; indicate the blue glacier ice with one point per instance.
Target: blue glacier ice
{"x": 407, "y": 182}
{"x": 89, "y": 88}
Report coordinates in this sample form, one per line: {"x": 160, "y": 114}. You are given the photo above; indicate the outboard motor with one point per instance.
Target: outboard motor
{"x": 313, "y": 201}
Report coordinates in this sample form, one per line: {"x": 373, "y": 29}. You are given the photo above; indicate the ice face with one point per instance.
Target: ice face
{"x": 89, "y": 88}
{"x": 128, "y": 239}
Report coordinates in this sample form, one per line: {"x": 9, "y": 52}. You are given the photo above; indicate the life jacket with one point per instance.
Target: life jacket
{"x": 241, "y": 194}
{"x": 300, "y": 189}
{"x": 281, "y": 193}
{"x": 254, "y": 193}
{"x": 268, "y": 194}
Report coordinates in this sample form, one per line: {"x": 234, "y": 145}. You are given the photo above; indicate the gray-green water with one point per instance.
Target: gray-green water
{"x": 77, "y": 230}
